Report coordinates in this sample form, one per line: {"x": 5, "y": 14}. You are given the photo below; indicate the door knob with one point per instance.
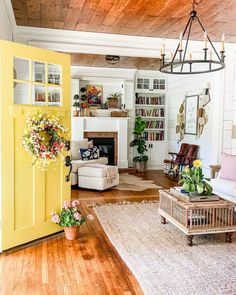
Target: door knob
{"x": 68, "y": 164}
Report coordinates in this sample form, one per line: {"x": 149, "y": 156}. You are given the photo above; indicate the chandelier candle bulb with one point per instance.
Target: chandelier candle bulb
{"x": 163, "y": 48}
{"x": 205, "y": 39}
{"x": 190, "y": 56}
{"x": 180, "y": 41}
{"x": 223, "y": 42}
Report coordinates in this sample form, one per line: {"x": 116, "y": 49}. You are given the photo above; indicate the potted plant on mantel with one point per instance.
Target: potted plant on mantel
{"x": 140, "y": 161}
{"x": 114, "y": 100}
{"x": 70, "y": 218}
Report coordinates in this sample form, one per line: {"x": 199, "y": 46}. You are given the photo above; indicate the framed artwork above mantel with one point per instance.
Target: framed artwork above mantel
{"x": 191, "y": 114}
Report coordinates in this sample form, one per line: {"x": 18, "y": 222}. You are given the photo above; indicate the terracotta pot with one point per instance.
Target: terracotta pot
{"x": 114, "y": 104}
{"x": 71, "y": 232}
{"x": 141, "y": 166}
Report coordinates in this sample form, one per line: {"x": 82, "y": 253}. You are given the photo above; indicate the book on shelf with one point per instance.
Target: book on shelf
{"x": 158, "y": 124}
{"x": 154, "y": 136}
{"x": 150, "y": 113}
{"x": 146, "y": 100}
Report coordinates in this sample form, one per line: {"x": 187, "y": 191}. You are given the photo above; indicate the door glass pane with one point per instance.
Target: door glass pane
{"x": 21, "y": 93}
{"x": 38, "y": 71}
{"x": 38, "y": 95}
{"x": 54, "y": 74}
{"x": 54, "y": 96}
{"x": 21, "y": 69}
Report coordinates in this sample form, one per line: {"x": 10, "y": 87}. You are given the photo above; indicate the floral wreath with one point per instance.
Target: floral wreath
{"x": 43, "y": 139}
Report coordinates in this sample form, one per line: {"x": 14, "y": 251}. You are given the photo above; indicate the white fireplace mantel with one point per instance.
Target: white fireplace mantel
{"x": 104, "y": 124}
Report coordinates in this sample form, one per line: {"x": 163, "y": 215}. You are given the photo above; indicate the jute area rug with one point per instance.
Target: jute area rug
{"x": 129, "y": 182}
{"x": 159, "y": 258}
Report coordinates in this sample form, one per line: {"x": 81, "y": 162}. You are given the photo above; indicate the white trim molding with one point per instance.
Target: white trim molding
{"x": 6, "y": 5}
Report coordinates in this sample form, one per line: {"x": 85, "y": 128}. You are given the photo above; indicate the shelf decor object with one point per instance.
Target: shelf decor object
{"x": 191, "y": 114}
{"x": 211, "y": 60}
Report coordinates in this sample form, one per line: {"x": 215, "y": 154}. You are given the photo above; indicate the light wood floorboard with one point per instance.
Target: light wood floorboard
{"x": 90, "y": 265}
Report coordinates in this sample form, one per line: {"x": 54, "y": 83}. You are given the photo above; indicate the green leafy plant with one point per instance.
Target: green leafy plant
{"x": 115, "y": 97}
{"x": 139, "y": 140}
{"x": 70, "y": 215}
{"x": 76, "y": 101}
{"x": 193, "y": 180}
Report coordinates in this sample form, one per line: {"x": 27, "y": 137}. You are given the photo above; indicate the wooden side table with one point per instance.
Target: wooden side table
{"x": 214, "y": 169}
{"x": 196, "y": 218}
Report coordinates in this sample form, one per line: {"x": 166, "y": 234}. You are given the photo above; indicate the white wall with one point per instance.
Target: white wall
{"x": 210, "y": 140}
{"x": 229, "y": 108}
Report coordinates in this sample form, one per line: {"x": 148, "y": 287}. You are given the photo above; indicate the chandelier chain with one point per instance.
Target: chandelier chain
{"x": 195, "y": 2}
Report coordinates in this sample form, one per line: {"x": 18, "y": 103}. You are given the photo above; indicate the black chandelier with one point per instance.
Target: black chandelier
{"x": 179, "y": 64}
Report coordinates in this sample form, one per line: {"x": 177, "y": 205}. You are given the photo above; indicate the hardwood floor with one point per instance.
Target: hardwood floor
{"x": 89, "y": 265}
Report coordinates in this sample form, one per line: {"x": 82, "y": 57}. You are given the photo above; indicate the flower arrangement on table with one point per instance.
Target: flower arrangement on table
{"x": 193, "y": 179}
{"x": 71, "y": 218}
{"x": 43, "y": 139}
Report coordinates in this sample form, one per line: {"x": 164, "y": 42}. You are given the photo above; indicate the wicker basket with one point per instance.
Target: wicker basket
{"x": 119, "y": 114}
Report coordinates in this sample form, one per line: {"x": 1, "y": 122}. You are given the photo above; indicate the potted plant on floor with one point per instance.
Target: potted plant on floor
{"x": 114, "y": 100}
{"x": 70, "y": 218}
{"x": 140, "y": 161}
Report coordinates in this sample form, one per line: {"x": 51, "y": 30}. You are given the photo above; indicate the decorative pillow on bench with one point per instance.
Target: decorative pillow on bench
{"x": 89, "y": 154}
{"x": 228, "y": 167}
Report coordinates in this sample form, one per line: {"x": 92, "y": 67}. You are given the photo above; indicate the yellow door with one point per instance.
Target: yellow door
{"x": 32, "y": 80}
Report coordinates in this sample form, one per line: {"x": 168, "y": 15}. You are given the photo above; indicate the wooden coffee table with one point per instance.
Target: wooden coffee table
{"x": 196, "y": 218}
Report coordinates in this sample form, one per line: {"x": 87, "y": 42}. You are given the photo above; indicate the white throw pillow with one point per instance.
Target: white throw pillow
{"x": 76, "y": 146}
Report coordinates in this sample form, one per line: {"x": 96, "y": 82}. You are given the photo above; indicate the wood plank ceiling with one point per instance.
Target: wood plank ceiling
{"x": 96, "y": 60}
{"x": 152, "y": 18}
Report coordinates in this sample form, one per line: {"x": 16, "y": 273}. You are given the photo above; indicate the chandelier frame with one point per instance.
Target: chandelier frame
{"x": 168, "y": 67}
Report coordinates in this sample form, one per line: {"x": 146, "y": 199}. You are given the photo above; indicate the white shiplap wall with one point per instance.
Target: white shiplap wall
{"x": 209, "y": 142}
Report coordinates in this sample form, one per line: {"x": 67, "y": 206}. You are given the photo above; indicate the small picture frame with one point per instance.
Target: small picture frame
{"x": 191, "y": 114}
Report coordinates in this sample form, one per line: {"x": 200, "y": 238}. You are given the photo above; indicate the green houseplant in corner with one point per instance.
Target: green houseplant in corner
{"x": 141, "y": 159}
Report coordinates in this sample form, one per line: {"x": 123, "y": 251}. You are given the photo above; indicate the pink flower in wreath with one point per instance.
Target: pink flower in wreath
{"x": 67, "y": 205}
{"x": 43, "y": 147}
{"x": 55, "y": 218}
{"x": 55, "y": 144}
{"x": 77, "y": 216}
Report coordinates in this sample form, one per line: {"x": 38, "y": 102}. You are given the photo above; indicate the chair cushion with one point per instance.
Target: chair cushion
{"x": 78, "y": 163}
{"x": 224, "y": 186}
{"x": 228, "y": 167}
{"x": 76, "y": 146}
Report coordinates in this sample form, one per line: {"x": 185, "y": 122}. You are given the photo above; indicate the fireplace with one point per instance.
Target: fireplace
{"x": 106, "y": 148}
{"x": 107, "y": 144}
